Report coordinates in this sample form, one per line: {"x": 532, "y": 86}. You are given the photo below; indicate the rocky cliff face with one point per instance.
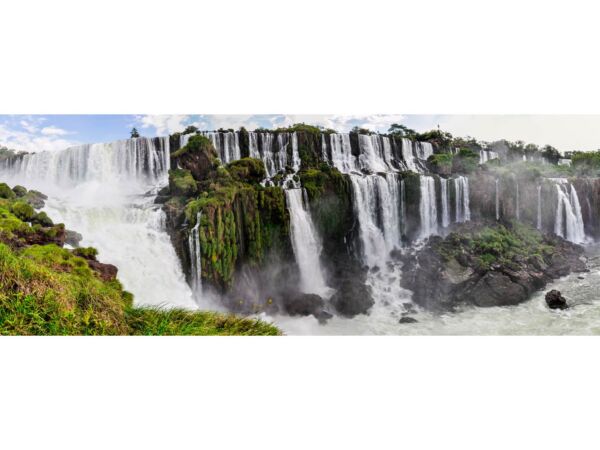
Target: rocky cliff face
{"x": 487, "y": 265}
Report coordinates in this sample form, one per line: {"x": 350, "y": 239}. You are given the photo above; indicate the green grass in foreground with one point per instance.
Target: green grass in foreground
{"x": 50, "y": 290}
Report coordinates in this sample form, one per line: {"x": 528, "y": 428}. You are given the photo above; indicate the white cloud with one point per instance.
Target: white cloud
{"x": 165, "y": 124}
{"x": 53, "y": 131}
{"x": 28, "y": 126}
{"x": 31, "y": 141}
{"x": 375, "y": 122}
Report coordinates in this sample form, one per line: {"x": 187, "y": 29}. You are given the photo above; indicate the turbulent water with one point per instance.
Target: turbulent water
{"x": 106, "y": 193}
{"x": 529, "y": 318}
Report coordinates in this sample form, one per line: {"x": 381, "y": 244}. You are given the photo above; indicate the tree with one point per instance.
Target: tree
{"x": 551, "y": 154}
{"x": 401, "y": 130}
{"x": 134, "y": 133}
{"x": 190, "y": 129}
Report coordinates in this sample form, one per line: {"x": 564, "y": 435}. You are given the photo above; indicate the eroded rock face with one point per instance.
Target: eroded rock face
{"x": 449, "y": 272}
{"x": 555, "y": 300}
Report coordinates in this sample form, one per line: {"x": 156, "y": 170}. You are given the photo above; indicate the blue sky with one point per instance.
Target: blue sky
{"x": 54, "y": 132}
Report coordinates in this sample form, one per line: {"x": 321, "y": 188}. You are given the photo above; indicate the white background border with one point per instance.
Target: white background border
{"x": 298, "y": 57}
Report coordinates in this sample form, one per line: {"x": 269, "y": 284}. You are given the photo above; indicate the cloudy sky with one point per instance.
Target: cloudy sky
{"x": 52, "y": 132}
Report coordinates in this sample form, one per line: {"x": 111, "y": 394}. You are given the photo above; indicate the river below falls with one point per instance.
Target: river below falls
{"x": 529, "y": 318}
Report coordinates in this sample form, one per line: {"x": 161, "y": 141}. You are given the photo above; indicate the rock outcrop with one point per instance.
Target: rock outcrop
{"x": 487, "y": 265}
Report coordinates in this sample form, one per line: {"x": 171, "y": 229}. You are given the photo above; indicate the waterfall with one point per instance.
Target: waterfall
{"x": 407, "y": 155}
{"x": 112, "y": 162}
{"x": 539, "y": 207}
{"x": 461, "y": 189}
{"x": 195, "y": 258}
{"x": 106, "y": 192}
{"x": 306, "y": 244}
{"x": 425, "y": 150}
{"x": 341, "y": 153}
{"x": 378, "y": 206}
{"x": 497, "y": 202}
{"x": 517, "y": 212}
{"x": 445, "y": 200}
{"x": 402, "y": 208}
{"x": 569, "y": 221}
{"x": 371, "y": 153}
{"x": 487, "y": 155}
{"x": 428, "y": 207}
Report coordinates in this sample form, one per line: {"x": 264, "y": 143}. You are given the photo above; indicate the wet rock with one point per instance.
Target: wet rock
{"x": 323, "y": 317}
{"x": 106, "y": 272}
{"x": 73, "y": 238}
{"x": 35, "y": 199}
{"x": 305, "y": 305}
{"x": 407, "y": 319}
{"x": 352, "y": 299}
{"x": 555, "y": 300}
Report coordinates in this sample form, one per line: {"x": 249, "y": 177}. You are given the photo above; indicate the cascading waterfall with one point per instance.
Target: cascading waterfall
{"x": 306, "y": 244}
{"x": 407, "y": 155}
{"x": 569, "y": 221}
{"x": 428, "y": 207}
{"x": 425, "y": 150}
{"x": 462, "y": 201}
{"x": 517, "y": 206}
{"x": 539, "y": 207}
{"x": 497, "y": 201}
{"x": 371, "y": 157}
{"x": 377, "y": 203}
{"x": 341, "y": 153}
{"x": 102, "y": 191}
{"x": 445, "y": 201}
{"x": 487, "y": 155}
{"x": 195, "y": 257}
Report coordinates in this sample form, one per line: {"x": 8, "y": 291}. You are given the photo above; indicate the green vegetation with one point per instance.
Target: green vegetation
{"x": 182, "y": 183}
{"x": 240, "y": 220}
{"x": 465, "y": 161}
{"x": 441, "y": 162}
{"x": 134, "y": 133}
{"x": 586, "y": 163}
{"x": 496, "y": 245}
{"x": 249, "y": 170}
{"x": 176, "y": 322}
{"x": 400, "y": 130}
{"x": 196, "y": 144}
{"x": 49, "y": 290}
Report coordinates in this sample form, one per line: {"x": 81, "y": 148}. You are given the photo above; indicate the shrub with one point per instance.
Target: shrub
{"x": 6, "y": 192}
{"x": 23, "y": 211}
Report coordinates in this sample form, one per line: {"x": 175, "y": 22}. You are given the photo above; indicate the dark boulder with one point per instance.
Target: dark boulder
{"x": 555, "y": 300}
{"x": 107, "y": 272}
{"x": 73, "y": 238}
{"x": 304, "y": 305}
{"x": 407, "y": 319}
{"x": 352, "y": 299}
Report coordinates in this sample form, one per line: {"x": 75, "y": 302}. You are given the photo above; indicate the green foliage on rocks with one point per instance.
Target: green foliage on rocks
{"x": 465, "y": 161}
{"x": 247, "y": 169}
{"x": 182, "y": 183}
{"x": 497, "y": 244}
{"x": 196, "y": 144}
{"x": 441, "y": 163}
{"x": 22, "y": 210}
{"x": 586, "y": 163}
{"x": 6, "y": 191}
{"x": 240, "y": 220}
{"x": 19, "y": 191}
